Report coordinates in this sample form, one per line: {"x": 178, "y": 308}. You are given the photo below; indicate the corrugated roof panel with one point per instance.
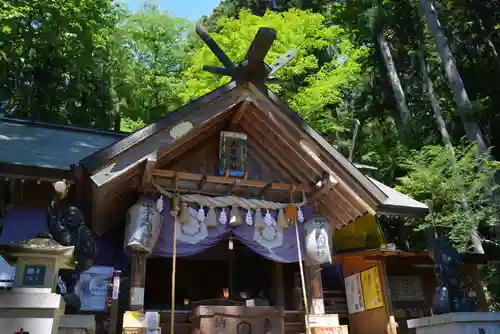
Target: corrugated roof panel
{"x": 47, "y": 146}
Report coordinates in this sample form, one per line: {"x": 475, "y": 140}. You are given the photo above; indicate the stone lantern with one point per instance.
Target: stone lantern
{"x": 33, "y": 306}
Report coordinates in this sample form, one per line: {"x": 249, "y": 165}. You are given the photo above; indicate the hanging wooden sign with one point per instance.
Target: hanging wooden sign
{"x": 233, "y": 153}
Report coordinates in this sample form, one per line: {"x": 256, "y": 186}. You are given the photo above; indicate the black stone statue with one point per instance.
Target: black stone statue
{"x": 67, "y": 227}
{"x": 449, "y": 296}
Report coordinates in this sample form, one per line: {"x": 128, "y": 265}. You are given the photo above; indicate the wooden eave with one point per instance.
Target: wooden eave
{"x": 15, "y": 171}
{"x": 103, "y": 156}
{"x": 265, "y": 98}
{"x": 278, "y": 136}
{"x": 404, "y": 256}
{"x": 338, "y": 202}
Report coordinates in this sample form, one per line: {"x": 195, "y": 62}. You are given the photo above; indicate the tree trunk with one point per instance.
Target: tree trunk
{"x": 476, "y": 241}
{"x": 435, "y": 107}
{"x": 399, "y": 94}
{"x": 486, "y": 32}
{"x": 464, "y": 106}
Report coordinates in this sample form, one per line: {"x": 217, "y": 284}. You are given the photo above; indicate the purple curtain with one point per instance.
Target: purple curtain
{"x": 285, "y": 252}
{"x": 23, "y": 223}
{"x": 110, "y": 250}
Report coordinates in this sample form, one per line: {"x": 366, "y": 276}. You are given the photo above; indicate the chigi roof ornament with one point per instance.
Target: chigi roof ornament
{"x": 252, "y": 68}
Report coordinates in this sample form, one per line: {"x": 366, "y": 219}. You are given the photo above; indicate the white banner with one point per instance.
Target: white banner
{"x": 92, "y": 288}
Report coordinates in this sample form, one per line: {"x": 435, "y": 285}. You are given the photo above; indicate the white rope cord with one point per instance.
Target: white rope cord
{"x": 225, "y": 201}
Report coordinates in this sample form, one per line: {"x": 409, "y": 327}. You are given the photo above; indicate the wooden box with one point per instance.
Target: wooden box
{"x": 238, "y": 320}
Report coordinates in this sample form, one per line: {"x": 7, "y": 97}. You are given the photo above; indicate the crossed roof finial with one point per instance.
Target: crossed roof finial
{"x": 252, "y": 68}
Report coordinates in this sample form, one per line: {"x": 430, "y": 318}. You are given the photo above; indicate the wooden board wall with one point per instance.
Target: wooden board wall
{"x": 203, "y": 159}
{"x": 373, "y": 321}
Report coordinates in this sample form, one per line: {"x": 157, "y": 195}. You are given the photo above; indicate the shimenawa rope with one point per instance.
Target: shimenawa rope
{"x": 225, "y": 201}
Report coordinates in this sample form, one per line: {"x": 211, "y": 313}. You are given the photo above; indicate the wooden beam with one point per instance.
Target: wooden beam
{"x": 182, "y": 176}
{"x": 195, "y": 136}
{"x": 44, "y": 174}
{"x": 278, "y": 284}
{"x": 322, "y": 188}
{"x": 336, "y": 209}
{"x": 137, "y": 281}
{"x": 151, "y": 162}
{"x": 315, "y": 296}
{"x": 202, "y": 182}
{"x": 275, "y": 159}
{"x": 282, "y": 114}
{"x": 287, "y": 142}
{"x": 263, "y": 190}
{"x": 264, "y": 159}
{"x": 237, "y": 116}
{"x": 306, "y": 149}
{"x": 210, "y": 104}
{"x": 331, "y": 215}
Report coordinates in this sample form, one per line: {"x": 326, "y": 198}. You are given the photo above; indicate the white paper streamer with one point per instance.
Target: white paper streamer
{"x": 248, "y": 218}
{"x": 223, "y": 217}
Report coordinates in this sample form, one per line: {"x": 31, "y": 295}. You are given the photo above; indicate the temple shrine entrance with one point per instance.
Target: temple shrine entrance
{"x": 214, "y": 275}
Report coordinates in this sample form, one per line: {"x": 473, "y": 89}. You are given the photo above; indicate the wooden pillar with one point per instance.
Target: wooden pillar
{"x": 137, "y": 281}
{"x": 113, "y": 305}
{"x": 471, "y": 271}
{"x": 315, "y": 300}
{"x": 278, "y": 284}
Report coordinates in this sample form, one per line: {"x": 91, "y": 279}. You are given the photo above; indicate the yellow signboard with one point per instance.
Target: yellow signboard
{"x": 372, "y": 289}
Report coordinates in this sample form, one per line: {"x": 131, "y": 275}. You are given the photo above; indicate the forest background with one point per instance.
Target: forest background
{"x": 420, "y": 77}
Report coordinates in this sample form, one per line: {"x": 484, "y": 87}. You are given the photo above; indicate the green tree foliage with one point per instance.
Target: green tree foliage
{"x": 432, "y": 177}
{"x": 53, "y": 60}
{"x": 150, "y": 52}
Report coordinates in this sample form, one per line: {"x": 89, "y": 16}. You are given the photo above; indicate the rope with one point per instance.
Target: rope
{"x": 174, "y": 261}
{"x": 302, "y": 276}
{"x": 225, "y": 201}
{"x": 302, "y": 280}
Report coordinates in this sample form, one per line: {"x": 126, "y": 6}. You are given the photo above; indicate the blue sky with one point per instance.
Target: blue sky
{"x": 190, "y": 9}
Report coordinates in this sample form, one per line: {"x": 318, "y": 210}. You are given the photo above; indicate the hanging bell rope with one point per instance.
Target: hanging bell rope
{"x": 176, "y": 213}
{"x": 302, "y": 275}
{"x": 225, "y": 201}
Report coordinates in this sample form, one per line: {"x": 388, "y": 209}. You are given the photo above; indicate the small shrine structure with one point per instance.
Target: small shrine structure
{"x": 236, "y": 187}
{"x": 230, "y": 213}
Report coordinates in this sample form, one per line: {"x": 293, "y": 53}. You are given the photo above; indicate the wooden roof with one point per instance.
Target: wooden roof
{"x": 277, "y": 133}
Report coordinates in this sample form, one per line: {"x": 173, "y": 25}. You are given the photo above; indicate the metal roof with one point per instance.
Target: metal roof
{"x": 398, "y": 203}
{"x": 51, "y": 146}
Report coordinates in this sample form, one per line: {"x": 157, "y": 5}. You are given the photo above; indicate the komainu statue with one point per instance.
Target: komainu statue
{"x": 67, "y": 227}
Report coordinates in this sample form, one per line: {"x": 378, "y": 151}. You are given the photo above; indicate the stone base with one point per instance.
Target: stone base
{"x": 34, "y": 313}
{"x": 76, "y": 324}
{"x": 458, "y": 323}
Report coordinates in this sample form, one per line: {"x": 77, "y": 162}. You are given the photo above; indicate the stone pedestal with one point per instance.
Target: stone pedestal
{"x": 33, "y": 306}
{"x": 77, "y": 324}
{"x": 31, "y": 312}
{"x": 458, "y": 323}
{"x": 238, "y": 319}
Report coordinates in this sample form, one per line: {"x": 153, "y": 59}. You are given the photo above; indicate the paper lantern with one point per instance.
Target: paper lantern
{"x": 143, "y": 226}
{"x": 318, "y": 239}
